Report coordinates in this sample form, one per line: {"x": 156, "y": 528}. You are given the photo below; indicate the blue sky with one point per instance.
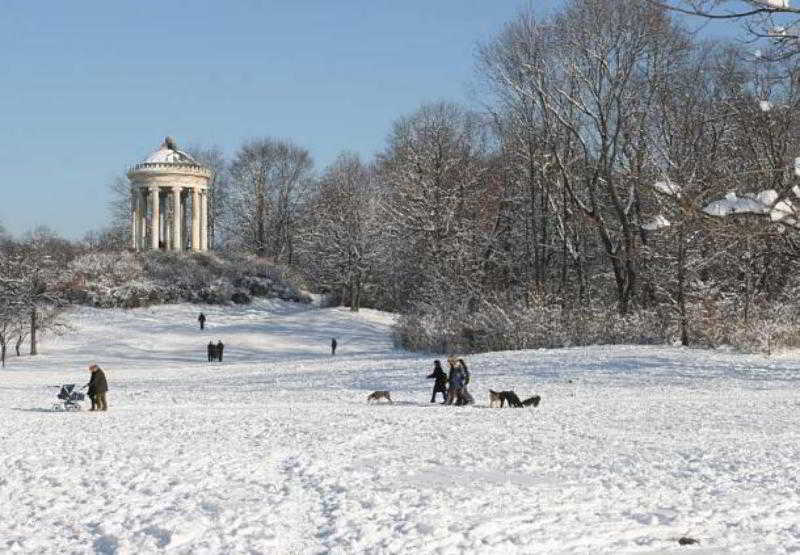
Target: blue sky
{"x": 89, "y": 87}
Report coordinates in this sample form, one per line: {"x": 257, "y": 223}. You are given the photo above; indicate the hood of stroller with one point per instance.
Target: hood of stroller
{"x": 67, "y": 393}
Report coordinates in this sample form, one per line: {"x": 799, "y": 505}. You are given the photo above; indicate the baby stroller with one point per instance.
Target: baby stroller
{"x": 69, "y": 397}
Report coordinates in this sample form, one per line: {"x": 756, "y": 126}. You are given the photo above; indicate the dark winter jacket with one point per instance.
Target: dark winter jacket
{"x": 457, "y": 378}
{"x": 440, "y": 377}
{"x": 97, "y": 383}
{"x": 464, "y": 371}
{"x": 451, "y": 375}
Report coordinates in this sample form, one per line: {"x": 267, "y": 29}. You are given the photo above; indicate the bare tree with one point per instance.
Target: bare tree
{"x": 117, "y": 233}
{"x": 433, "y": 172}
{"x": 342, "y": 237}
{"x": 269, "y": 181}
{"x": 774, "y": 22}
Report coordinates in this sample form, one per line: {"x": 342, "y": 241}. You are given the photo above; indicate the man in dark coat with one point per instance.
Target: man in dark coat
{"x": 212, "y": 351}
{"x": 333, "y": 346}
{"x": 98, "y": 386}
{"x": 220, "y": 346}
{"x": 440, "y": 385}
{"x": 202, "y": 320}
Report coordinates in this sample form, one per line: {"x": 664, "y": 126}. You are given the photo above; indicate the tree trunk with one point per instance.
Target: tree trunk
{"x": 33, "y": 332}
{"x": 3, "y": 355}
{"x": 355, "y": 294}
{"x": 18, "y": 344}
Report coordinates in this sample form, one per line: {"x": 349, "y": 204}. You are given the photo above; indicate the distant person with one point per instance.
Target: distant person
{"x": 333, "y": 346}
{"x": 440, "y": 385}
{"x": 212, "y": 351}
{"x": 202, "y": 320}
{"x": 220, "y": 346}
{"x": 465, "y": 397}
{"x": 98, "y": 386}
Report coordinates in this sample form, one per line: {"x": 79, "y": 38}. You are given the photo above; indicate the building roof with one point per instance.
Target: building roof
{"x": 168, "y": 153}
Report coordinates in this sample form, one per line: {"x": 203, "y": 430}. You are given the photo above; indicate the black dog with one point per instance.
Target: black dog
{"x": 511, "y": 398}
{"x": 532, "y": 401}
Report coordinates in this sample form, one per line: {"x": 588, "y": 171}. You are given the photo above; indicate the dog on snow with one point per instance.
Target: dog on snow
{"x": 513, "y": 400}
{"x": 378, "y": 395}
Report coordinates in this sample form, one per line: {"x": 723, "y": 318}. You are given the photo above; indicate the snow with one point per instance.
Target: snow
{"x": 668, "y": 188}
{"x": 275, "y": 450}
{"x": 655, "y": 223}
{"x": 169, "y": 156}
{"x": 763, "y": 203}
{"x": 774, "y": 3}
{"x": 764, "y": 105}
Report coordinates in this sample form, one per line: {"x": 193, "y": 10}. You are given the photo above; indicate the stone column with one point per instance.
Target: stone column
{"x": 166, "y": 228}
{"x": 155, "y": 218}
{"x": 204, "y": 221}
{"x": 177, "y": 217}
{"x": 134, "y": 218}
{"x": 195, "y": 219}
{"x": 142, "y": 195}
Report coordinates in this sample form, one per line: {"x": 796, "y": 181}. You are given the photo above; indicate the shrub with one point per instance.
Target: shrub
{"x": 129, "y": 280}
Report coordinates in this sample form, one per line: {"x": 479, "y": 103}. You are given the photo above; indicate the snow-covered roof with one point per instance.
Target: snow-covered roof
{"x": 168, "y": 153}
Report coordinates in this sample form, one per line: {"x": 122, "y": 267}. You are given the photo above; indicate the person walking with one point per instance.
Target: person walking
{"x": 440, "y": 385}
{"x": 212, "y": 351}
{"x": 202, "y": 320}
{"x": 333, "y": 346}
{"x": 220, "y": 346}
{"x": 466, "y": 397}
{"x": 98, "y": 387}
{"x": 455, "y": 381}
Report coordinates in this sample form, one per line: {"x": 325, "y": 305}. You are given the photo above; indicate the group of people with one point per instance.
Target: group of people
{"x": 452, "y": 385}
{"x": 215, "y": 351}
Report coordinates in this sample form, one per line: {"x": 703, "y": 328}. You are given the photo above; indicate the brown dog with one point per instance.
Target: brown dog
{"x": 494, "y": 397}
{"x": 378, "y": 395}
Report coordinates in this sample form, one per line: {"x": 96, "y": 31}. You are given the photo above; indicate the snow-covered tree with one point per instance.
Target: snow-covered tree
{"x": 269, "y": 182}
{"x": 342, "y": 234}
{"x": 433, "y": 173}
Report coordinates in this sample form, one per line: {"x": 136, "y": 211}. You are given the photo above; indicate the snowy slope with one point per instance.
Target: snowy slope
{"x": 275, "y": 450}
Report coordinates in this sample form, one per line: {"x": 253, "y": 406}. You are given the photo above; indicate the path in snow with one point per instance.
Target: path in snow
{"x": 276, "y": 451}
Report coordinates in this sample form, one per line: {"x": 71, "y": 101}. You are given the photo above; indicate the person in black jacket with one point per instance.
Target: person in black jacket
{"x": 202, "y": 320}
{"x": 212, "y": 351}
{"x": 220, "y": 346}
{"x": 333, "y": 346}
{"x": 440, "y": 385}
{"x": 98, "y": 386}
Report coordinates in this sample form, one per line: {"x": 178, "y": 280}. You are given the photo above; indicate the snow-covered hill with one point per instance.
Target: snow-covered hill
{"x": 274, "y": 450}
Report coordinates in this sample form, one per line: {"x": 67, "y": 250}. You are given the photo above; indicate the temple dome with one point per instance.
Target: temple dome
{"x": 168, "y": 153}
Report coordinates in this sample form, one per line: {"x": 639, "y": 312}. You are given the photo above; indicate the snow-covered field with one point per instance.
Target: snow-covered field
{"x": 275, "y": 450}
